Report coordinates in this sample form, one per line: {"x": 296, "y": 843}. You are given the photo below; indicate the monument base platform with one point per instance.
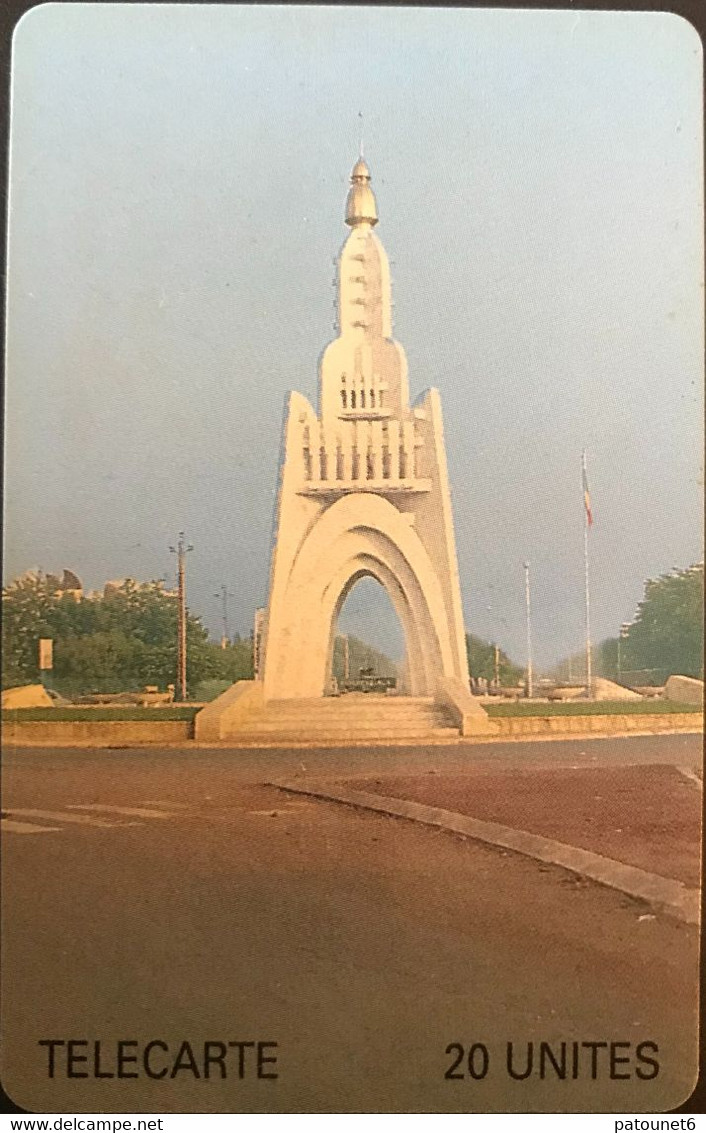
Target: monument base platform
{"x": 242, "y": 713}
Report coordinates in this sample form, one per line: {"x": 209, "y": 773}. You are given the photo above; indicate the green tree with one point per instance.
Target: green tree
{"x": 106, "y": 661}
{"x": 667, "y": 632}
{"x": 226, "y": 666}
{"x": 481, "y": 662}
{"x": 29, "y": 612}
{"x": 111, "y": 642}
{"x": 235, "y": 662}
{"x": 605, "y": 659}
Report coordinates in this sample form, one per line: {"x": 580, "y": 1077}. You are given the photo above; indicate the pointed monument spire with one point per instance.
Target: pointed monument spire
{"x": 361, "y": 207}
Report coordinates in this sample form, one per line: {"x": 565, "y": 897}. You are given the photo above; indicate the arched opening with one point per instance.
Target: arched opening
{"x": 368, "y": 648}
{"x": 360, "y": 535}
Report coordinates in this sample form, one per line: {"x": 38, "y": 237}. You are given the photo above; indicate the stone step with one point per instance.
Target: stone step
{"x": 343, "y": 704}
{"x": 366, "y": 722}
{"x": 354, "y": 697}
{"x": 363, "y": 721}
{"x": 366, "y": 725}
{"x": 344, "y": 719}
{"x": 353, "y": 717}
{"x": 368, "y": 712}
{"x": 339, "y": 736}
{"x": 342, "y": 735}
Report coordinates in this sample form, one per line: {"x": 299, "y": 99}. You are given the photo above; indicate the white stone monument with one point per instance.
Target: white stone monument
{"x": 363, "y": 491}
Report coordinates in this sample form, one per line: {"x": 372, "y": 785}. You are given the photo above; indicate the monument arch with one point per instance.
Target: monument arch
{"x": 360, "y": 533}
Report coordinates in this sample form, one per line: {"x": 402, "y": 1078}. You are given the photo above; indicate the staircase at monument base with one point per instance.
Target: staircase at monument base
{"x": 349, "y": 718}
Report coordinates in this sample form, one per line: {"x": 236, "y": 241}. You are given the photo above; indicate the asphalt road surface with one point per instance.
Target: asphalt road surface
{"x": 169, "y": 897}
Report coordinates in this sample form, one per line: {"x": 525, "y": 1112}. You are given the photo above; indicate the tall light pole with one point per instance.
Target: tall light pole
{"x": 589, "y": 650}
{"x": 224, "y": 594}
{"x": 180, "y": 551}
{"x": 529, "y": 631}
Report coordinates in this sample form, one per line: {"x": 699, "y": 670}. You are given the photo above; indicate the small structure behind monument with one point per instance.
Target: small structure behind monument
{"x": 363, "y": 491}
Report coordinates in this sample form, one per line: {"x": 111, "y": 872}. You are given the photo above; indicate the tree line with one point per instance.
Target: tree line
{"x": 665, "y": 636}
{"x": 481, "y": 663}
{"x": 126, "y": 637}
{"x": 112, "y": 642}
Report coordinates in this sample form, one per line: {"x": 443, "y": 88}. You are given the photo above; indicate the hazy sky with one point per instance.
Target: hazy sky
{"x": 178, "y": 178}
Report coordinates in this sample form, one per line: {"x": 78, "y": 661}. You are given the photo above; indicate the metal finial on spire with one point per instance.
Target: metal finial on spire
{"x": 360, "y": 205}
{"x": 360, "y": 146}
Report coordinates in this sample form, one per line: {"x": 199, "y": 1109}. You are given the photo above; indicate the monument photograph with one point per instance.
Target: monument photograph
{"x": 352, "y": 637}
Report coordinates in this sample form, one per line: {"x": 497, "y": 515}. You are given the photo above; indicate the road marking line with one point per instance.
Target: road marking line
{"x": 25, "y": 827}
{"x": 128, "y": 811}
{"x": 62, "y": 816}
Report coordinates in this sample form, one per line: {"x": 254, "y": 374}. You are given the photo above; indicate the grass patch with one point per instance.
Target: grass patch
{"x": 81, "y": 713}
{"x": 590, "y": 708}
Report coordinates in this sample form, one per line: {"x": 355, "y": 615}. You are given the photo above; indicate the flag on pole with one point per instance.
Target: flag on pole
{"x": 586, "y": 493}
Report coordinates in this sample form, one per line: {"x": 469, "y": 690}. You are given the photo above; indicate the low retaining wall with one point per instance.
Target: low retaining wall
{"x": 607, "y": 725}
{"x": 116, "y": 733}
{"x": 96, "y": 733}
{"x": 465, "y": 710}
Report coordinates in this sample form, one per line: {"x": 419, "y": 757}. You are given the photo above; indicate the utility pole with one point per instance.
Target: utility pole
{"x": 180, "y": 551}
{"x": 529, "y": 631}
{"x": 497, "y": 666}
{"x": 346, "y": 658}
{"x": 224, "y": 594}
{"x": 257, "y": 632}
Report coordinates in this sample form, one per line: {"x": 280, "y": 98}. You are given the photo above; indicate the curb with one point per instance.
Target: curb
{"x": 664, "y": 893}
{"x": 235, "y": 743}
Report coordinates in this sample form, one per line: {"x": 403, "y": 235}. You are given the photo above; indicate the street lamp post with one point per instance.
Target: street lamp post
{"x": 529, "y": 631}
{"x": 180, "y": 551}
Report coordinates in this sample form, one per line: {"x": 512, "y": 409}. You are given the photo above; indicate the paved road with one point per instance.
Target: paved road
{"x": 169, "y": 895}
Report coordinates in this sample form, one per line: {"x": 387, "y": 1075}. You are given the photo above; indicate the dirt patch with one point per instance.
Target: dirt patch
{"x": 647, "y": 816}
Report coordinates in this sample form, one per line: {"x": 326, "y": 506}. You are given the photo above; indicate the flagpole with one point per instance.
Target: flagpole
{"x": 586, "y": 523}
{"x": 529, "y": 683}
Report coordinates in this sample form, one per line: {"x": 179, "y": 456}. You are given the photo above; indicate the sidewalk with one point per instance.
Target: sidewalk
{"x": 647, "y": 816}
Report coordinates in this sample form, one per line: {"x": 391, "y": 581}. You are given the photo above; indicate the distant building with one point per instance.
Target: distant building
{"x": 69, "y": 583}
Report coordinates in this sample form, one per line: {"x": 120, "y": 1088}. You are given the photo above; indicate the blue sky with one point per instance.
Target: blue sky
{"x": 178, "y": 176}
